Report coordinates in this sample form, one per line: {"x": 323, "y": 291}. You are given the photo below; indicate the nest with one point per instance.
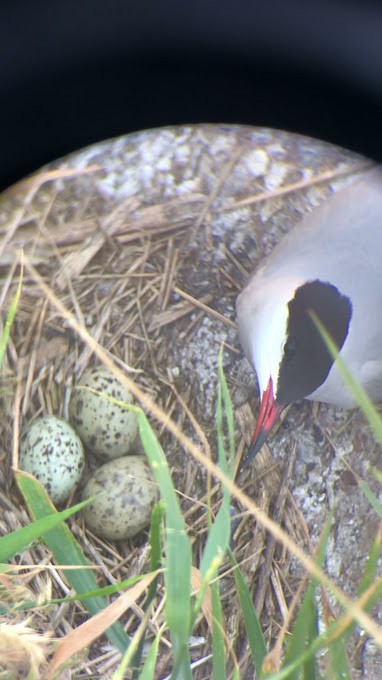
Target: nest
{"x": 152, "y": 271}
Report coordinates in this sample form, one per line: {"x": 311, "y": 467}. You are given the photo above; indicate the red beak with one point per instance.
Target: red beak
{"x": 270, "y": 412}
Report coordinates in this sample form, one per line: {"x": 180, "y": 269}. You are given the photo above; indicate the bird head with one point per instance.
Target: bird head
{"x": 284, "y": 345}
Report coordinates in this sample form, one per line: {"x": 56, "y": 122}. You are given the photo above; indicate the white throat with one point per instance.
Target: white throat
{"x": 263, "y": 320}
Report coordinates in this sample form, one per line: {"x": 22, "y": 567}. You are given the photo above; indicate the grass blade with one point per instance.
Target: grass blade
{"x": 305, "y": 627}
{"x": 357, "y": 391}
{"x": 338, "y": 662}
{"x": 371, "y": 497}
{"x": 128, "y": 659}
{"x": 369, "y": 575}
{"x": 252, "y": 624}
{"x": 156, "y": 562}
{"x": 11, "y": 316}
{"x": 148, "y": 670}
{"x": 178, "y": 554}
{"x": 310, "y": 669}
{"x": 218, "y": 647}
{"x": 220, "y": 531}
{"x": 67, "y": 551}
{"x": 18, "y": 540}
{"x": 230, "y": 420}
{"x": 105, "y": 590}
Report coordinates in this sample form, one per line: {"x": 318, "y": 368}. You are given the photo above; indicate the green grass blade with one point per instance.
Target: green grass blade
{"x": 371, "y": 497}
{"x": 148, "y": 670}
{"x": 216, "y": 544}
{"x": 377, "y": 474}
{"x": 357, "y": 391}
{"x": 326, "y": 639}
{"x": 338, "y": 662}
{"x": 372, "y": 563}
{"x": 218, "y": 647}
{"x": 310, "y": 669}
{"x": 230, "y": 419}
{"x": 129, "y": 655}
{"x": 339, "y": 665}
{"x": 236, "y": 673}
{"x": 178, "y": 554}
{"x": 10, "y": 318}
{"x": 67, "y": 551}
{"x": 220, "y": 531}
{"x": 305, "y": 627}
{"x": 302, "y": 628}
{"x": 252, "y": 624}
{"x": 104, "y": 591}
{"x": 18, "y": 540}
{"x": 157, "y": 517}
{"x": 332, "y": 638}
{"x": 298, "y": 664}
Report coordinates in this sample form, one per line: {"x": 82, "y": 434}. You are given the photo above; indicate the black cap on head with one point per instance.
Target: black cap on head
{"x": 307, "y": 361}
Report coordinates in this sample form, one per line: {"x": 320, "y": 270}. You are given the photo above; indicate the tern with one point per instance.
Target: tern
{"x": 329, "y": 264}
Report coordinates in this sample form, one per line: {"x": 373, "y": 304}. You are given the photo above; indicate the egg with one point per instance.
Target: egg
{"x": 130, "y": 493}
{"x": 105, "y": 428}
{"x": 51, "y": 451}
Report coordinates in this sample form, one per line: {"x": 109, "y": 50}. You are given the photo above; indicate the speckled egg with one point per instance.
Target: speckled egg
{"x": 51, "y": 451}
{"x": 130, "y": 493}
{"x": 105, "y": 428}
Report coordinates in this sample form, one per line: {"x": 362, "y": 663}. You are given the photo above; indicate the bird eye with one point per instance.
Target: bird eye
{"x": 290, "y": 349}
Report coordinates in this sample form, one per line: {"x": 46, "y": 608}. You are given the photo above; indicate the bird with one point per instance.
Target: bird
{"x": 330, "y": 264}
